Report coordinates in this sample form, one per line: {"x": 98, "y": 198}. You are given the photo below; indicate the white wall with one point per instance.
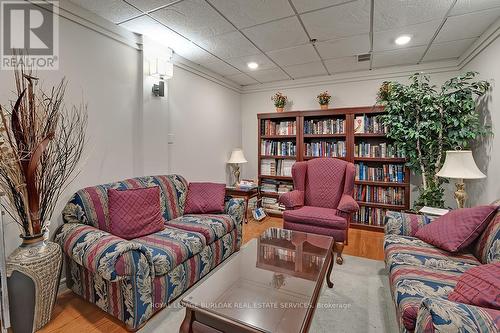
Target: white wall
{"x": 355, "y": 92}
{"x": 487, "y": 157}
{"x": 107, "y": 75}
{"x": 204, "y": 118}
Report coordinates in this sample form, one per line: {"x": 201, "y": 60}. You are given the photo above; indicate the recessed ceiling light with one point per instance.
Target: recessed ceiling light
{"x": 253, "y": 65}
{"x": 403, "y": 40}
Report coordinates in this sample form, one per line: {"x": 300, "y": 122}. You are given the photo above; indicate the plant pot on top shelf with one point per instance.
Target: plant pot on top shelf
{"x": 279, "y": 101}
{"x": 280, "y": 109}
{"x": 323, "y": 100}
{"x": 323, "y": 106}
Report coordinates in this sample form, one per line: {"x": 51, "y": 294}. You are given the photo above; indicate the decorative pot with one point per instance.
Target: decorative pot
{"x": 279, "y": 109}
{"x": 33, "y": 275}
{"x": 324, "y": 106}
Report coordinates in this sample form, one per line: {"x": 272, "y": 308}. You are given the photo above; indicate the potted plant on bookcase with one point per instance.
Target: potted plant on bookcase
{"x": 424, "y": 122}
{"x": 324, "y": 100}
{"x": 41, "y": 143}
{"x": 279, "y": 101}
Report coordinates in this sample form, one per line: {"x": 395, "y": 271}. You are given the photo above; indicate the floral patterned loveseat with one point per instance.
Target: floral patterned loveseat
{"x": 421, "y": 277}
{"x": 133, "y": 279}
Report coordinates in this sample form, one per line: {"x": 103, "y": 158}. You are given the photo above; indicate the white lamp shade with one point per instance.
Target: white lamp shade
{"x": 460, "y": 164}
{"x": 237, "y": 157}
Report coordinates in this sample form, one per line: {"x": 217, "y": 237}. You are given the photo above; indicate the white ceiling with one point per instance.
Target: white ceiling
{"x": 224, "y": 35}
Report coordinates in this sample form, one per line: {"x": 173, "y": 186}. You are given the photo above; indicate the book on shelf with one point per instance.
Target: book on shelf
{"x": 378, "y": 150}
{"x": 370, "y": 216}
{"x": 276, "y": 167}
{"x": 369, "y": 124}
{"x": 271, "y": 127}
{"x": 272, "y": 204}
{"x": 380, "y": 194}
{"x": 325, "y": 149}
{"x": 383, "y": 173}
{"x": 278, "y": 148}
{"x": 324, "y": 126}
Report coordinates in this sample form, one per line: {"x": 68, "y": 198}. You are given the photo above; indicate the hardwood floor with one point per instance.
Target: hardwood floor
{"x": 73, "y": 314}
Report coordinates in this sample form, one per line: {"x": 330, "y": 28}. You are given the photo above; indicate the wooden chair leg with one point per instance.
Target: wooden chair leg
{"x": 339, "y": 247}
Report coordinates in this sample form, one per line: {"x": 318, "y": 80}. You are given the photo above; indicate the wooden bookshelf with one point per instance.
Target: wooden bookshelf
{"x": 305, "y": 120}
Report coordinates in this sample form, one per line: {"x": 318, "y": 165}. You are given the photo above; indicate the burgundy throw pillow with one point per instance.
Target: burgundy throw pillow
{"x": 457, "y": 229}
{"x": 204, "y": 198}
{"x": 135, "y": 212}
{"x": 479, "y": 286}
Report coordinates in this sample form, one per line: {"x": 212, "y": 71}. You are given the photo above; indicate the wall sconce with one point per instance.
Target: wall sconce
{"x": 162, "y": 70}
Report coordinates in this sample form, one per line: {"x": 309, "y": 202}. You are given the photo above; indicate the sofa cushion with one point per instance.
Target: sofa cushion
{"x": 318, "y": 216}
{"x": 211, "y": 226}
{"x": 479, "y": 286}
{"x": 487, "y": 247}
{"x": 170, "y": 247}
{"x": 135, "y": 212}
{"x": 205, "y": 198}
{"x": 457, "y": 229}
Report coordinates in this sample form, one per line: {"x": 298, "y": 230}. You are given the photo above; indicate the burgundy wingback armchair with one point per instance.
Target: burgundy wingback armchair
{"x": 321, "y": 201}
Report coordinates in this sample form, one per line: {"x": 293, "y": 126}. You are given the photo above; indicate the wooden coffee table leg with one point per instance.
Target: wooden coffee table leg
{"x": 187, "y": 323}
{"x": 328, "y": 274}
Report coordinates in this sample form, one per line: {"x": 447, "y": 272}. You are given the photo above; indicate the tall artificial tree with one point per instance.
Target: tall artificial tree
{"x": 424, "y": 121}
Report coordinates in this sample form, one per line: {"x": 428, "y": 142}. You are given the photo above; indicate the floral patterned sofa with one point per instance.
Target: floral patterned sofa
{"x": 133, "y": 279}
{"x": 421, "y": 277}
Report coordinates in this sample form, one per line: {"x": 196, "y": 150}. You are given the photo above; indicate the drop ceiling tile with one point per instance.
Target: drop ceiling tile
{"x": 270, "y": 75}
{"x": 348, "y": 19}
{"x": 306, "y": 70}
{"x": 294, "y": 55}
{"x": 146, "y": 26}
{"x": 407, "y": 56}
{"x": 242, "y": 79}
{"x": 147, "y": 5}
{"x": 194, "y": 19}
{"x": 390, "y": 14}
{"x": 448, "y": 50}
{"x": 421, "y": 34}
{"x": 467, "y": 25}
{"x": 241, "y": 62}
{"x": 308, "y": 5}
{"x": 112, "y": 10}
{"x": 278, "y": 34}
{"x": 346, "y": 64}
{"x": 343, "y": 47}
{"x": 246, "y": 13}
{"x": 469, "y": 6}
{"x": 230, "y": 45}
{"x": 221, "y": 68}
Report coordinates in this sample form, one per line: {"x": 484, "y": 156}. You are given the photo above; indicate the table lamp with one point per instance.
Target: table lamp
{"x": 460, "y": 165}
{"x": 236, "y": 158}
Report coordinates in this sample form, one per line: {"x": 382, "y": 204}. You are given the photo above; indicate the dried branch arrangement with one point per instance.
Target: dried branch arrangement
{"x": 41, "y": 142}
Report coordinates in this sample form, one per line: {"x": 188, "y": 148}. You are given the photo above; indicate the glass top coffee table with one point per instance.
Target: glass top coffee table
{"x": 271, "y": 285}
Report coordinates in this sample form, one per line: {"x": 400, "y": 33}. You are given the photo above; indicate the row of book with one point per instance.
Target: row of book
{"x": 384, "y": 173}
{"x": 271, "y": 204}
{"x": 369, "y": 124}
{"x": 273, "y": 167}
{"x": 325, "y": 149}
{"x": 275, "y": 186}
{"x": 278, "y": 148}
{"x": 370, "y": 216}
{"x": 324, "y": 126}
{"x": 383, "y": 150}
{"x": 270, "y": 127}
{"x": 380, "y": 194}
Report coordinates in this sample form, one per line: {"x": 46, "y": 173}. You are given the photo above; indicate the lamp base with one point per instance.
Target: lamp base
{"x": 460, "y": 194}
{"x": 236, "y": 172}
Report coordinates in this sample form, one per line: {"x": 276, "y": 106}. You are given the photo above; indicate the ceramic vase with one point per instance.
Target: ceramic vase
{"x": 279, "y": 109}
{"x": 323, "y": 106}
{"x": 33, "y": 275}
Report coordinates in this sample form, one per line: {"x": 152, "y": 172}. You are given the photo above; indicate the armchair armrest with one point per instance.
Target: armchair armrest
{"x": 405, "y": 224}
{"x": 347, "y": 204}
{"x": 100, "y": 252}
{"x": 292, "y": 200}
{"x": 235, "y": 207}
{"x": 440, "y": 315}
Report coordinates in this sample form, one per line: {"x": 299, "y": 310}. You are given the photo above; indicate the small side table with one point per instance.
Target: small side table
{"x": 244, "y": 194}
